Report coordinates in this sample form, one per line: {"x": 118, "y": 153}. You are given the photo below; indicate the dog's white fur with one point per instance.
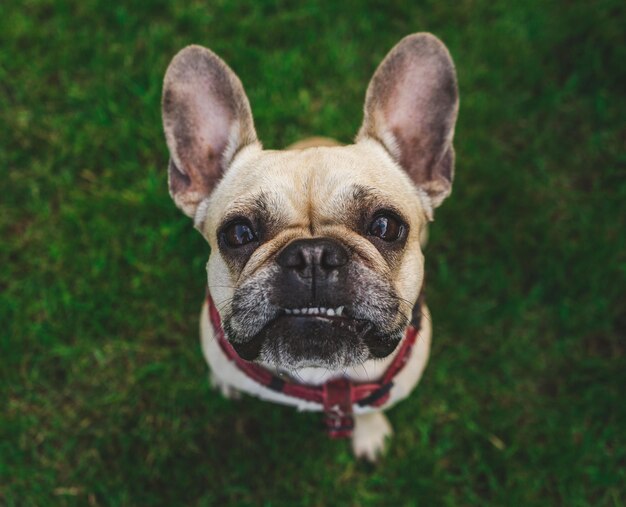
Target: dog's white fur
{"x": 371, "y": 426}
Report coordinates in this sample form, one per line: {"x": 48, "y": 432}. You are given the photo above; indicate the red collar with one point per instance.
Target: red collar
{"x": 337, "y": 396}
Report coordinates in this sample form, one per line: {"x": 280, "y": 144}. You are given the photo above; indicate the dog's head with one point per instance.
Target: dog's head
{"x": 315, "y": 253}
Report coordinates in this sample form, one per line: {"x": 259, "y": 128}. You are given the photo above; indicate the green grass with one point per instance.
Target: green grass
{"x": 104, "y": 397}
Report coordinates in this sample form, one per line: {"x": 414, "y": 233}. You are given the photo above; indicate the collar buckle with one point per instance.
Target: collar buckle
{"x": 337, "y": 401}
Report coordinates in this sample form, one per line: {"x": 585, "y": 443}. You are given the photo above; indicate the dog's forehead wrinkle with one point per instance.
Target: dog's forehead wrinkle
{"x": 315, "y": 184}
{"x": 264, "y": 205}
{"x": 254, "y": 201}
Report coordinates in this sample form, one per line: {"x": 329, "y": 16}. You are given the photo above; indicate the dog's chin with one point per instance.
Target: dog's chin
{"x": 295, "y": 342}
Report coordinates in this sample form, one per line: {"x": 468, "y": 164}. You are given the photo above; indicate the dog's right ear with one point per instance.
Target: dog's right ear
{"x": 207, "y": 120}
{"x": 411, "y": 107}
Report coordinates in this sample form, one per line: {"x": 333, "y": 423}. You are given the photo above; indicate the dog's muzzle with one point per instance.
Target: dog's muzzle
{"x": 319, "y": 311}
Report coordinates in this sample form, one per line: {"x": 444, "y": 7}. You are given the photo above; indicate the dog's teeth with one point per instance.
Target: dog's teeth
{"x": 313, "y": 310}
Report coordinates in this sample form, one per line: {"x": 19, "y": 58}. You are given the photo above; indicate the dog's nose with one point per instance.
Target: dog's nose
{"x": 309, "y": 257}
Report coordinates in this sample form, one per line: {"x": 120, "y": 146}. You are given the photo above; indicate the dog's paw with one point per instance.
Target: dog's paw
{"x": 227, "y": 391}
{"x": 370, "y": 434}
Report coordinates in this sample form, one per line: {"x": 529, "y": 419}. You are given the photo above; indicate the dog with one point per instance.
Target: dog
{"x": 316, "y": 265}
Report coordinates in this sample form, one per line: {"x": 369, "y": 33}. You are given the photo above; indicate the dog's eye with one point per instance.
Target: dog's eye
{"x": 386, "y": 227}
{"x": 238, "y": 234}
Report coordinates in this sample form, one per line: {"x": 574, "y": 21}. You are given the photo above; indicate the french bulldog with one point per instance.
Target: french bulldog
{"x": 316, "y": 262}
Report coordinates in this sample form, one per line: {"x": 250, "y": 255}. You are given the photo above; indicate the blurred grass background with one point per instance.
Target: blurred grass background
{"x": 103, "y": 392}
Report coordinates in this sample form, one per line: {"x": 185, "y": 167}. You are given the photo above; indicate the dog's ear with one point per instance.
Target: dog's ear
{"x": 411, "y": 107}
{"x": 207, "y": 120}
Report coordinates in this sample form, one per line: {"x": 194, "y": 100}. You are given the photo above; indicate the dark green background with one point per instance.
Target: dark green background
{"x": 103, "y": 390}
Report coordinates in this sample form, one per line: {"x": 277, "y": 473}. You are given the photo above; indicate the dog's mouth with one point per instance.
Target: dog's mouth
{"x": 330, "y": 337}
{"x": 316, "y": 311}
{"x": 325, "y": 320}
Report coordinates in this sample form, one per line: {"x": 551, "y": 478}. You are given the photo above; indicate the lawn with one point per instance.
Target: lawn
{"x": 104, "y": 395}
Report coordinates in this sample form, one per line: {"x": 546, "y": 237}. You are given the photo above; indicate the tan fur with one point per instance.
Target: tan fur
{"x": 313, "y": 142}
{"x": 309, "y": 185}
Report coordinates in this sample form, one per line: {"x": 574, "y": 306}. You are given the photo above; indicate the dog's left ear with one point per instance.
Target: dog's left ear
{"x": 411, "y": 108}
{"x": 207, "y": 120}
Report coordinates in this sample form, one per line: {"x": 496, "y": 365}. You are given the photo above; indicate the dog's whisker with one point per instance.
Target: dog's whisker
{"x": 426, "y": 316}
{"x": 367, "y": 375}
{"x": 223, "y": 304}
{"x": 296, "y": 373}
